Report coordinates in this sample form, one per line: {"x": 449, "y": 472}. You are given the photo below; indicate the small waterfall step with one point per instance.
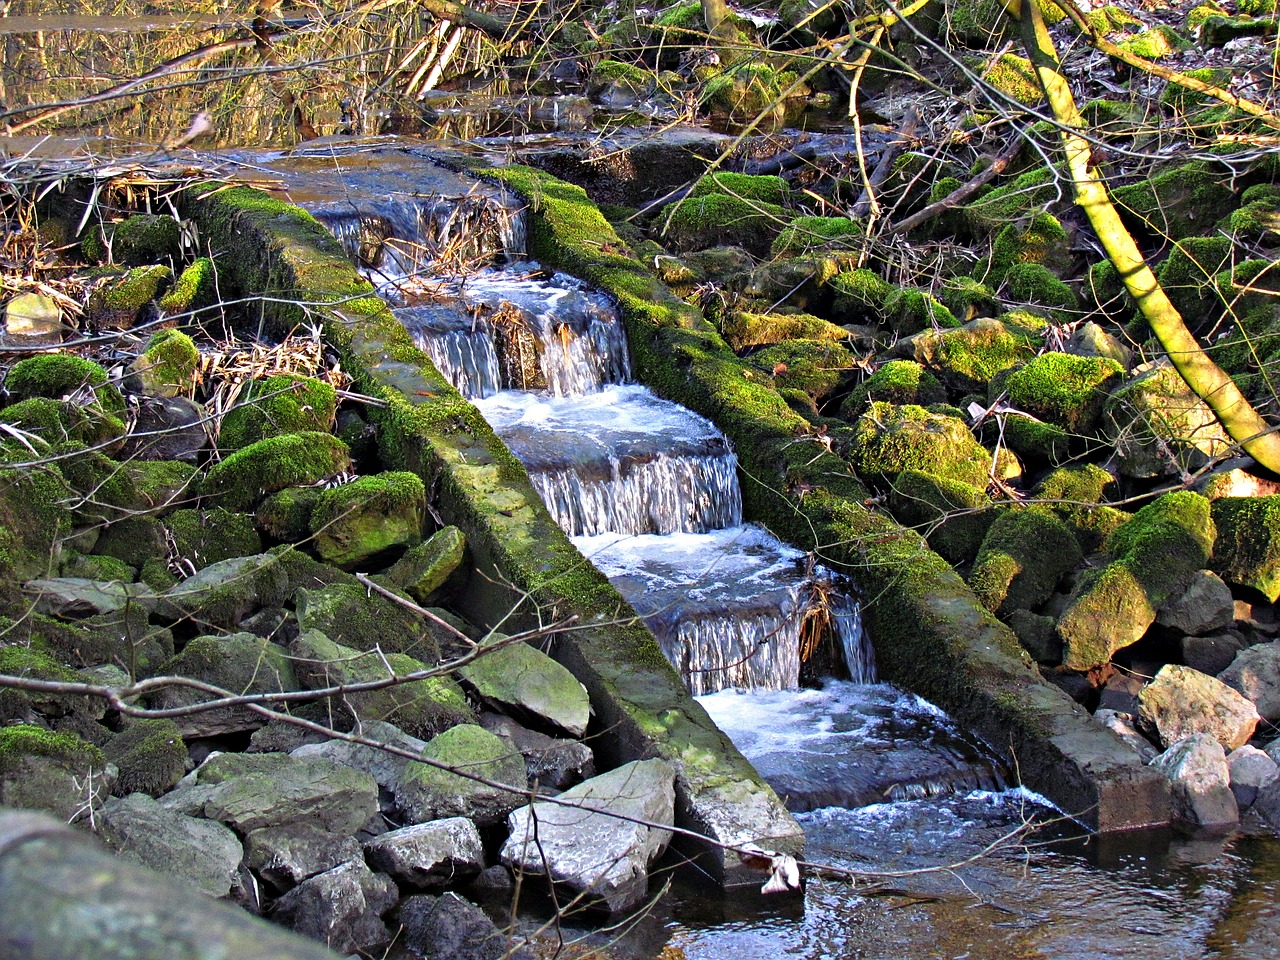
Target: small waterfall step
{"x": 506, "y": 329}
{"x": 725, "y": 606}
{"x": 621, "y": 461}
{"x": 850, "y": 745}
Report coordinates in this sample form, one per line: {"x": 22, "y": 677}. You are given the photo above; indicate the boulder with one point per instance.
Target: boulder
{"x": 222, "y": 594}
{"x": 1063, "y": 389}
{"x": 1247, "y": 549}
{"x": 341, "y": 908}
{"x": 149, "y": 755}
{"x": 1213, "y": 653}
{"x": 1233, "y": 478}
{"x": 354, "y": 616}
{"x": 450, "y": 928}
{"x": 550, "y": 763}
{"x": 202, "y": 852}
{"x": 359, "y": 521}
{"x": 295, "y": 459}
{"x": 889, "y": 439}
{"x": 1267, "y": 805}
{"x": 1197, "y": 768}
{"x": 1181, "y": 702}
{"x": 1255, "y": 672}
{"x": 1024, "y": 555}
{"x": 521, "y": 680}
{"x": 424, "y": 569}
{"x": 421, "y": 708}
{"x": 1251, "y": 770}
{"x": 966, "y": 359}
{"x": 429, "y": 792}
{"x": 585, "y": 849}
{"x": 385, "y": 768}
{"x": 57, "y": 772}
{"x": 286, "y": 855}
{"x": 273, "y": 406}
{"x": 1156, "y": 553}
{"x": 1203, "y": 607}
{"x": 428, "y": 856}
{"x": 1159, "y": 427}
{"x": 255, "y": 790}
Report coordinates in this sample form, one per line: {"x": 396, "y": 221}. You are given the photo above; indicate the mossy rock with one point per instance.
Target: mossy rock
{"x": 1188, "y": 275}
{"x": 1014, "y": 77}
{"x": 421, "y": 708}
{"x": 145, "y": 238}
{"x": 1024, "y": 196}
{"x": 899, "y": 382}
{"x": 1156, "y": 43}
{"x": 1177, "y": 203}
{"x": 522, "y": 681}
{"x": 797, "y": 281}
{"x": 168, "y": 366}
{"x": 358, "y": 522}
{"x": 858, "y": 294}
{"x": 815, "y": 367}
{"x": 241, "y": 663}
{"x": 1034, "y": 441}
{"x": 907, "y": 310}
{"x": 762, "y": 189}
{"x": 805, "y": 235}
{"x": 698, "y": 222}
{"x": 424, "y": 569}
{"x": 1022, "y": 559}
{"x": 982, "y": 23}
{"x": 966, "y": 359}
{"x": 133, "y": 540}
{"x": 1035, "y": 284}
{"x": 1247, "y": 549}
{"x": 1256, "y": 220}
{"x": 750, "y": 92}
{"x": 59, "y": 375}
{"x": 428, "y": 792}
{"x": 120, "y": 301}
{"x": 615, "y": 83}
{"x": 1077, "y": 494}
{"x": 224, "y": 593}
{"x": 952, "y": 515}
{"x": 723, "y": 265}
{"x": 968, "y": 298}
{"x": 244, "y": 478}
{"x": 743, "y": 330}
{"x": 195, "y": 290}
{"x": 34, "y": 518}
{"x": 1040, "y": 240}
{"x": 125, "y": 638}
{"x": 285, "y": 403}
{"x": 150, "y": 756}
{"x": 107, "y": 569}
{"x": 354, "y": 616}
{"x": 1064, "y": 389}
{"x": 1159, "y": 426}
{"x": 109, "y": 490}
{"x": 56, "y": 772}
{"x": 1156, "y": 553}
{"x": 32, "y": 663}
{"x": 286, "y": 514}
{"x": 889, "y": 439}
{"x": 202, "y": 537}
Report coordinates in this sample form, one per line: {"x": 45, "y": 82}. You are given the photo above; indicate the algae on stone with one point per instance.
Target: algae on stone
{"x": 359, "y": 521}
{"x": 1023, "y": 557}
{"x": 1247, "y": 549}
{"x": 244, "y": 478}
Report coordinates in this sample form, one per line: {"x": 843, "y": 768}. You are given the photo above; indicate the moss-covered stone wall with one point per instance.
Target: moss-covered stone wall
{"x": 930, "y": 632}
{"x": 526, "y": 572}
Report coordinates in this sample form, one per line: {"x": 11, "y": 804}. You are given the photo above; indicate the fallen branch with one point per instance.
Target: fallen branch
{"x": 961, "y": 193}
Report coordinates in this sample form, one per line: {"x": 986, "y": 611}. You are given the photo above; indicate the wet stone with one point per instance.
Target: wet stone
{"x": 429, "y": 856}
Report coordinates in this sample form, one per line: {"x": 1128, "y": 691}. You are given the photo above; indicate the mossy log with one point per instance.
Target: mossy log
{"x": 63, "y": 897}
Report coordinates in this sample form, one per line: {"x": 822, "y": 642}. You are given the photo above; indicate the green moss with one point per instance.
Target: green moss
{"x": 202, "y": 537}
{"x": 1014, "y": 77}
{"x": 1077, "y": 493}
{"x": 150, "y": 755}
{"x": 968, "y": 298}
{"x": 249, "y": 474}
{"x": 95, "y": 567}
{"x": 168, "y": 364}
{"x": 981, "y": 23}
{"x": 1187, "y": 276}
{"x": 952, "y": 515}
{"x": 1042, "y": 240}
{"x": 53, "y": 375}
{"x": 1256, "y": 8}
{"x": 1247, "y": 548}
{"x": 146, "y": 238}
{"x": 743, "y": 330}
{"x": 762, "y": 189}
{"x": 717, "y": 218}
{"x": 858, "y": 293}
{"x": 908, "y": 311}
{"x": 118, "y": 299}
{"x": 360, "y": 520}
{"x": 1111, "y": 19}
{"x": 1034, "y": 441}
{"x": 615, "y": 74}
{"x": 24, "y": 740}
{"x": 899, "y": 382}
{"x": 747, "y": 90}
{"x": 196, "y": 289}
{"x": 1026, "y": 194}
{"x": 1177, "y": 524}
{"x": 1158, "y": 42}
{"x": 286, "y": 514}
{"x": 1024, "y": 556}
{"x": 282, "y": 404}
{"x": 1063, "y": 388}
{"x": 889, "y": 439}
{"x": 965, "y": 360}
{"x": 807, "y": 234}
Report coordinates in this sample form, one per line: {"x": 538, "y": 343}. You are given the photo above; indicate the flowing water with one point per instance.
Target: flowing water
{"x": 882, "y": 782}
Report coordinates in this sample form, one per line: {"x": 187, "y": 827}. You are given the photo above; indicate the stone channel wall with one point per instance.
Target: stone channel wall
{"x": 525, "y": 571}
{"x": 931, "y": 634}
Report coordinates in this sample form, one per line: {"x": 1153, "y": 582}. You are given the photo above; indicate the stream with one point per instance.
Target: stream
{"x": 880, "y": 780}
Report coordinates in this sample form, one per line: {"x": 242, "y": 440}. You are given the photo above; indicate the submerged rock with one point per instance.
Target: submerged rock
{"x": 584, "y": 848}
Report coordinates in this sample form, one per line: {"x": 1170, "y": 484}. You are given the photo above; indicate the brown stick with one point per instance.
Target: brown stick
{"x": 961, "y": 193}
{"x": 862, "y": 206}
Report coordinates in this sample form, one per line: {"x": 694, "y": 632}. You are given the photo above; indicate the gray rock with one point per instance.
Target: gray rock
{"x": 224, "y": 593}
{"x": 1255, "y": 672}
{"x": 1250, "y": 770}
{"x": 286, "y": 855}
{"x": 1205, "y": 606}
{"x": 549, "y": 762}
{"x": 385, "y": 768}
{"x": 1211, "y": 654}
{"x": 70, "y": 597}
{"x": 202, "y": 852}
{"x": 342, "y": 908}
{"x": 1267, "y": 805}
{"x": 167, "y": 428}
{"x": 584, "y": 848}
{"x": 450, "y": 928}
{"x": 1125, "y": 727}
{"x": 428, "y": 792}
{"x": 1091, "y": 340}
{"x": 1181, "y": 702}
{"x": 523, "y": 681}
{"x": 429, "y": 856}
{"x": 1197, "y": 768}
{"x": 256, "y": 790}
